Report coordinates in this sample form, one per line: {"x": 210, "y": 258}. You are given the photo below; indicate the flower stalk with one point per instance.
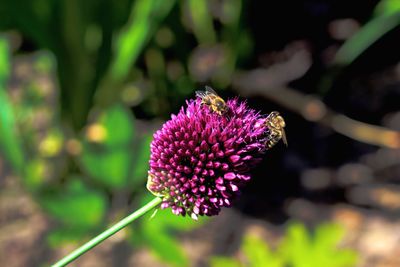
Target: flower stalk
{"x": 107, "y": 233}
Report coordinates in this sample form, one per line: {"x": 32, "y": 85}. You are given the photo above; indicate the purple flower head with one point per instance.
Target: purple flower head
{"x": 200, "y": 160}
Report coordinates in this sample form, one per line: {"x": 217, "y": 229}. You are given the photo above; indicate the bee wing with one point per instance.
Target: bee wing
{"x": 284, "y": 139}
{"x": 201, "y": 94}
{"x": 210, "y": 90}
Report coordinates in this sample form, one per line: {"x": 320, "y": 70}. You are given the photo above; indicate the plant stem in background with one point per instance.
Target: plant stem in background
{"x": 106, "y": 234}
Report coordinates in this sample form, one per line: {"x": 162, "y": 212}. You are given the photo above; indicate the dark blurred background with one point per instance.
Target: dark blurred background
{"x": 84, "y": 84}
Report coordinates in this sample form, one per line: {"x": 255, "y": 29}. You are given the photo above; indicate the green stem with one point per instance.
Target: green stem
{"x": 107, "y": 233}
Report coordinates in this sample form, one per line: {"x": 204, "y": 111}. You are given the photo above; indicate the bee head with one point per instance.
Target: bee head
{"x": 276, "y": 118}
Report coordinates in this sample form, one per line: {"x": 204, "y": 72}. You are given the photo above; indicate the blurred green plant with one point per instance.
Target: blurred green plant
{"x": 96, "y": 43}
{"x": 319, "y": 249}
{"x": 9, "y": 141}
{"x": 298, "y": 248}
{"x": 99, "y": 44}
{"x": 202, "y": 23}
{"x": 144, "y": 19}
{"x": 107, "y": 150}
{"x": 155, "y": 233}
{"x": 386, "y": 18}
{"x": 386, "y": 7}
{"x": 366, "y": 36}
{"x": 78, "y": 211}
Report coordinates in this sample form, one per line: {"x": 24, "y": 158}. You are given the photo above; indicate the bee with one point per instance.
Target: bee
{"x": 211, "y": 99}
{"x": 276, "y": 125}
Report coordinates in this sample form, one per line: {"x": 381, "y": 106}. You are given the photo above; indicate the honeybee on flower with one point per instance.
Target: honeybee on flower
{"x": 210, "y": 98}
{"x": 276, "y": 125}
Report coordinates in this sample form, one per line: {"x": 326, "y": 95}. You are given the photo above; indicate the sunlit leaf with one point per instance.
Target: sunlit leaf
{"x": 224, "y": 262}
{"x": 295, "y": 246}
{"x": 258, "y": 253}
{"x": 301, "y": 249}
{"x": 326, "y": 240}
{"x": 298, "y": 249}
{"x": 327, "y": 236}
{"x": 344, "y": 258}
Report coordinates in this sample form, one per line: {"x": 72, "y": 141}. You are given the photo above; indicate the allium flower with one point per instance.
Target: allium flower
{"x": 200, "y": 160}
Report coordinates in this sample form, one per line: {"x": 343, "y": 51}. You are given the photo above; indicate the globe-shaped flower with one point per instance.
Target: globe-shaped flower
{"x": 200, "y": 159}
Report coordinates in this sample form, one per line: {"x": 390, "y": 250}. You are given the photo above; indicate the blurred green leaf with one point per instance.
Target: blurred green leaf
{"x": 76, "y": 206}
{"x": 343, "y": 258}
{"x": 258, "y": 253}
{"x": 386, "y": 7}
{"x": 231, "y": 14}
{"x": 9, "y": 142}
{"x": 302, "y": 250}
{"x": 44, "y": 62}
{"x": 327, "y": 236}
{"x": 365, "y": 37}
{"x": 109, "y": 159}
{"x": 164, "y": 247}
{"x": 144, "y": 19}
{"x": 119, "y": 125}
{"x": 35, "y": 174}
{"x": 4, "y": 60}
{"x": 141, "y": 161}
{"x": 297, "y": 249}
{"x": 108, "y": 166}
{"x": 224, "y": 262}
{"x": 202, "y": 22}
{"x": 157, "y": 234}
